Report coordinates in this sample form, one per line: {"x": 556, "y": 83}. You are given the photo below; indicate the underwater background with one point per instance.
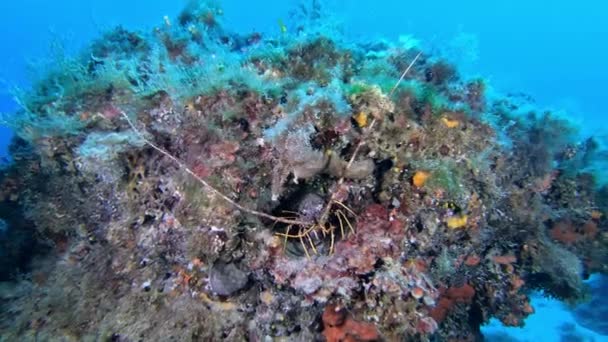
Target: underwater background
{"x": 552, "y": 51}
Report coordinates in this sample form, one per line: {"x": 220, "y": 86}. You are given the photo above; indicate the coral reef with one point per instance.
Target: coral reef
{"x": 197, "y": 184}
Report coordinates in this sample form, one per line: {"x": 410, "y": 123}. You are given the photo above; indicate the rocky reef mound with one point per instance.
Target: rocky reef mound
{"x": 196, "y": 184}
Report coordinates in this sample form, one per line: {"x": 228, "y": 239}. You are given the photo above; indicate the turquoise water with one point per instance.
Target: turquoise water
{"x": 554, "y": 51}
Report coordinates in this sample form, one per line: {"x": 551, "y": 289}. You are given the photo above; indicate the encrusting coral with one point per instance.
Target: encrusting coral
{"x": 193, "y": 183}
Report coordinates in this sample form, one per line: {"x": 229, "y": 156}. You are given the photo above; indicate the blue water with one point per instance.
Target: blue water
{"x": 553, "y": 50}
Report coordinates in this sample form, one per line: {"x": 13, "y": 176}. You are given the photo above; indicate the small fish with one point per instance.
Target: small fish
{"x": 451, "y": 205}
{"x": 456, "y": 222}
{"x": 282, "y": 26}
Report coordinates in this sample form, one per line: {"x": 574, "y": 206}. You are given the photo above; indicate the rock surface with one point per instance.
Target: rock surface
{"x": 227, "y": 279}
